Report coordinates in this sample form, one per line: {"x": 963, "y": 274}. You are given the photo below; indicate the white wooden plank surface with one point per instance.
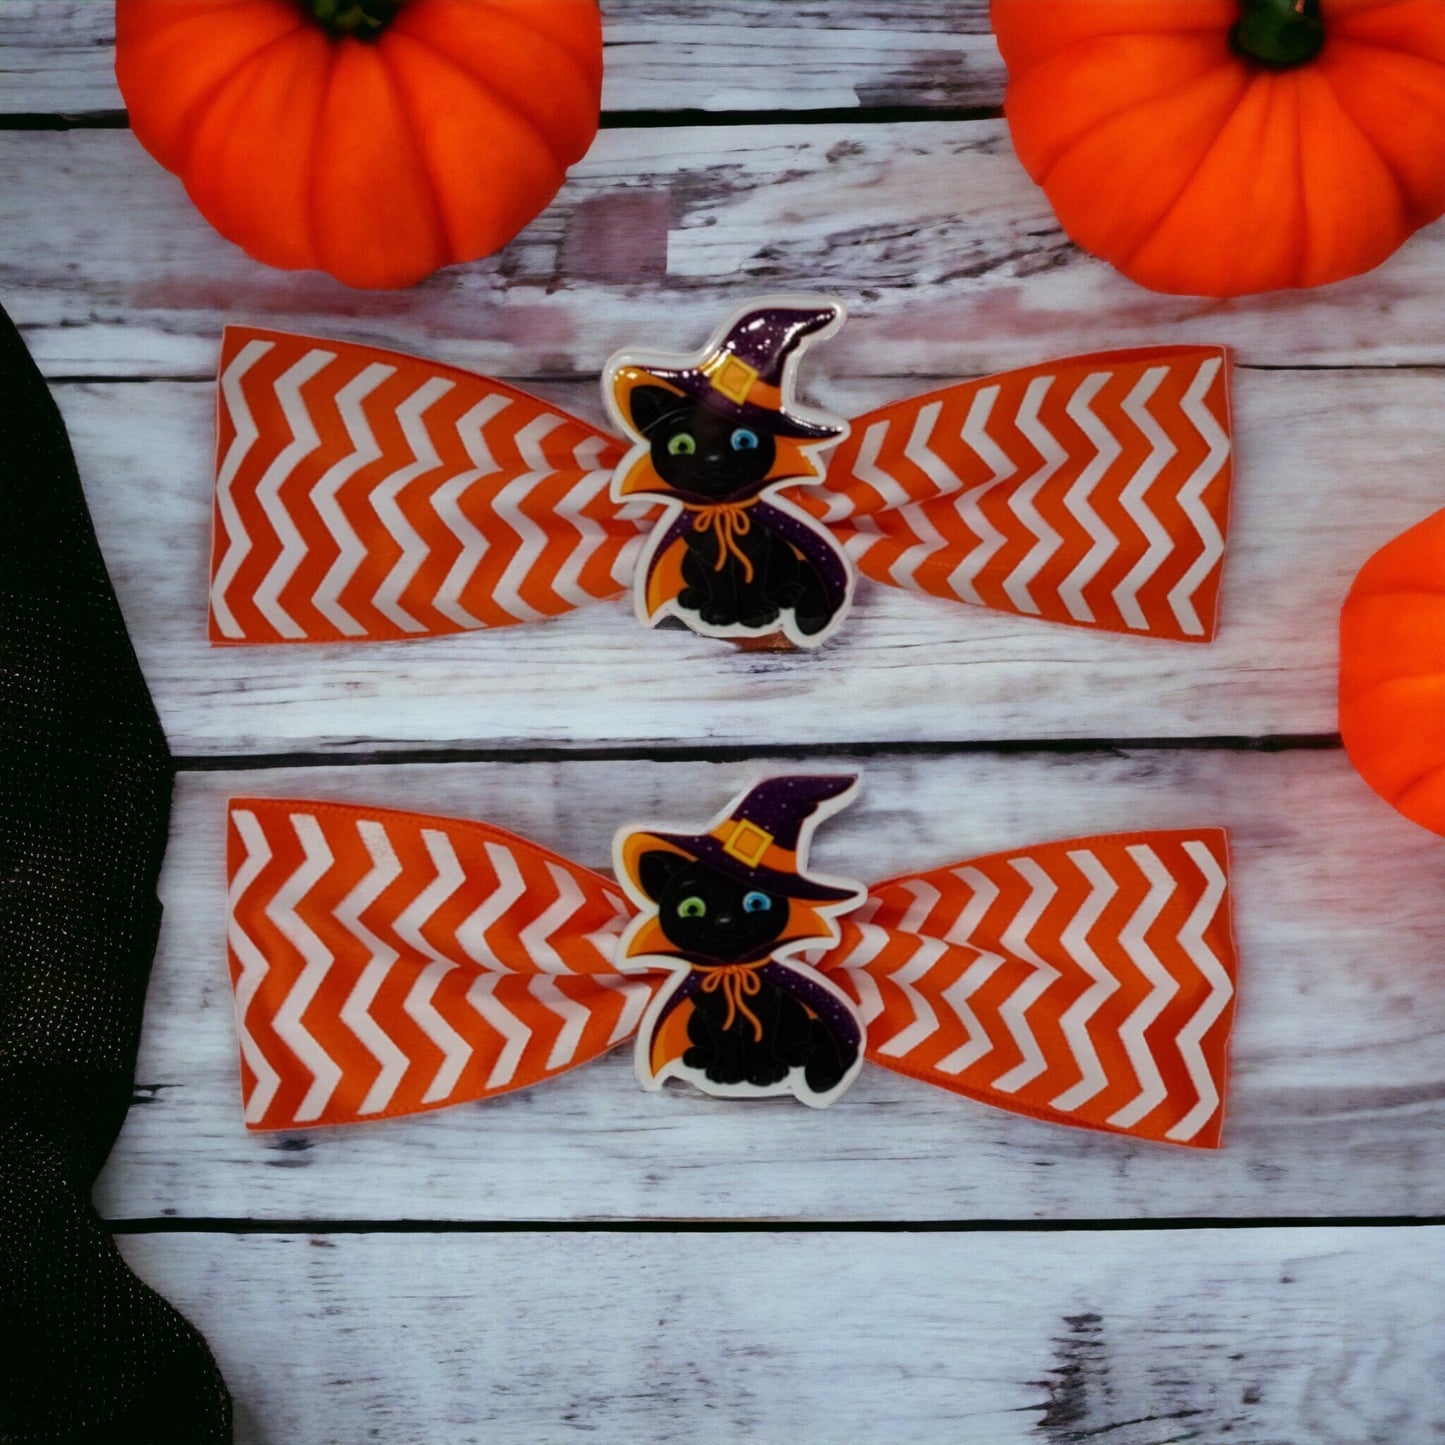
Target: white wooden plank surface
{"x": 1330, "y": 466}
{"x": 953, "y": 266}
{"x": 662, "y": 55}
{"x": 948, "y": 253}
{"x": 1281, "y": 1337}
{"x": 1338, "y": 1093}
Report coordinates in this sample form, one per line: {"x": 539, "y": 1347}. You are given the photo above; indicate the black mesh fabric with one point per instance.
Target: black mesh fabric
{"x": 90, "y": 1353}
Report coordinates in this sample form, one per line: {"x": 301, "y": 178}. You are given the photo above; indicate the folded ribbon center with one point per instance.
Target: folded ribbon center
{"x": 727, "y": 521}
{"x": 736, "y": 980}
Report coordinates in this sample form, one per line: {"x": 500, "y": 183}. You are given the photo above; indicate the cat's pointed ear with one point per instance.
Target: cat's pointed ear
{"x": 656, "y": 869}
{"x": 647, "y": 406}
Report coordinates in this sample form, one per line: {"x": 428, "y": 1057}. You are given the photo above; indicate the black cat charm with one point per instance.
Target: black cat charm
{"x": 727, "y": 911}
{"x": 718, "y": 437}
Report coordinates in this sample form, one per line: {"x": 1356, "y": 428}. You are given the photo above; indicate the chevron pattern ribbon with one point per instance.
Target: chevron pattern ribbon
{"x": 366, "y": 495}
{"x": 1092, "y": 491}
{"x": 390, "y": 962}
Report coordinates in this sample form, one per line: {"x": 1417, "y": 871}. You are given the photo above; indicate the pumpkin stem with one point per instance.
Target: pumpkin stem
{"x": 1279, "y": 33}
{"x": 361, "y": 19}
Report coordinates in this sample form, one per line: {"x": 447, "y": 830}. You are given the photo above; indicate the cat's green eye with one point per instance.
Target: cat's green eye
{"x": 692, "y": 907}
{"x": 682, "y": 445}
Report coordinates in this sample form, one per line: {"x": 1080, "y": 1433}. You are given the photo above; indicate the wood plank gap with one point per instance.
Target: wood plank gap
{"x": 388, "y": 757}
{"x": 162, "y": 1225}
{"x": 82, "y": 378}
{"x": 918, "y": 381}
{"x": 1403, "y": 367}
{"x": 66, "y": 120}
{"x": 824, "y": 115}
{"x": 609, "y": 120}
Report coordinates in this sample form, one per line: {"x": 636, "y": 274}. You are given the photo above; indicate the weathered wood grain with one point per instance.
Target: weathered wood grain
{"x": 932, "y": 232}
{"x": 1338, "y": 1092}
{"x": 1254, "y": 1337}
{"x": 953, "y": 266}
{"x": 662, "y": 55}
{"x": 1330, "y": 466}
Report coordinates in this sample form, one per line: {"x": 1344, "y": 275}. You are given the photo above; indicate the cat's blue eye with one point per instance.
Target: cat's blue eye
{"x": 745, "y": 440}
{"x": 693, "y": 907}
{"x": 756, "y": 902}
{"x": 684, "y": 444}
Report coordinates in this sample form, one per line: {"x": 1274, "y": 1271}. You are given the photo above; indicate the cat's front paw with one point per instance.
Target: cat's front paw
{"x": 717, "y": 616}
{"x": 763, "y": 1073}
{"x": 718, "y": 1065}
{"x": 692, "y": 598}
{"x": 762, "y": 619}
{"x": 723, "y": 1071}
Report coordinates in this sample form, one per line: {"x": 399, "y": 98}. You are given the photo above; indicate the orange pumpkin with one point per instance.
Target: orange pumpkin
{"x": 374, "y": 139}
{"x": 1392, "y": 673}
{"x": 1221, "y": 147}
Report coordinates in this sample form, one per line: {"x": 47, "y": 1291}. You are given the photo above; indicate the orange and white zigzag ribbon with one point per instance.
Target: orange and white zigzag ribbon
{"x": 389, "y": 962}
{"x": 363, "y": 494}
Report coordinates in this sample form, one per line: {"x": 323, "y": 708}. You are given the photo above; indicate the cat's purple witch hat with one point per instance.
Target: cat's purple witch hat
{"x": 761, "y": 839}
{"x": 745, "y": 371}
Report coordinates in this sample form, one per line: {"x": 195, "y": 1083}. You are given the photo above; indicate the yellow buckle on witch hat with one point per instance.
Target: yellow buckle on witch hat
{"x": 748, "y": 843}
{"x": 734, "y": 378}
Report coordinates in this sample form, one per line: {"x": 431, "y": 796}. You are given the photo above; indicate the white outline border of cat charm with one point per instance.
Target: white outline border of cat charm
{"x": 717, "y": 374}
{"x": 746, "y": 840}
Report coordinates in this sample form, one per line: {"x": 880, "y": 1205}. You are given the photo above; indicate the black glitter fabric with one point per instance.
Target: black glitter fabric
{"x": 90, "y": 1353}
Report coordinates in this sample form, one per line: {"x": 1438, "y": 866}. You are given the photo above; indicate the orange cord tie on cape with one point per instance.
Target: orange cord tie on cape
{"x": 738, "y": 981}
{"x": 727, "y": 521}
{"x": 364, "y": 495}
{"x": 388, "y": 962}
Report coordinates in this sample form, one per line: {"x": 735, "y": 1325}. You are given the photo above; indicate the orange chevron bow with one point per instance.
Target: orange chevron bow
{"x": 387, "y": 962}
{"x": 366, "y": 495}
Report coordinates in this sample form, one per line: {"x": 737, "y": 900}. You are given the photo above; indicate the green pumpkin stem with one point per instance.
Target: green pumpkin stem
{"x": 1279, "y": 33}
{"x": 360, "y": 19}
